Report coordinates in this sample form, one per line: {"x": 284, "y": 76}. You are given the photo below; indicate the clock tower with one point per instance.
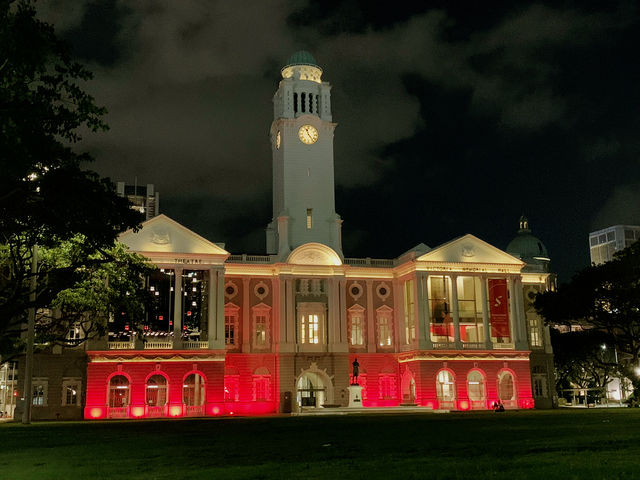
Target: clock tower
{"x": 302, "y": 150}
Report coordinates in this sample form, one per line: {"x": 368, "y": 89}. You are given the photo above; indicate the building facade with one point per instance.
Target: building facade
{"x": 143, "y": 198}
{"x": 604, "y": 243}
{"x": 443, "y": 328}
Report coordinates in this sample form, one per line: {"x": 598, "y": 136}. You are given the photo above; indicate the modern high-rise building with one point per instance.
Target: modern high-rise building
{"x": 439, "y": 328}
{"x": 604, "y": 243}
{"x": 144, "y": 198}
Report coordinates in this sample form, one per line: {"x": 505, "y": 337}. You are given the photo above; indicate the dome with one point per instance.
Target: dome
{"x": 301, "y": 57}
{"x": 528, "y": 248}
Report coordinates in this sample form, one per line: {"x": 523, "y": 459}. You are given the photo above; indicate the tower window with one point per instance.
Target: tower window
{"x": 295, "y": 103}
{"x": 309, "y": 218}
{"x": 303, "y": 101}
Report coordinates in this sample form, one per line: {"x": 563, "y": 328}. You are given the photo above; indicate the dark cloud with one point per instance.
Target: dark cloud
{"x": 452, "y": 118}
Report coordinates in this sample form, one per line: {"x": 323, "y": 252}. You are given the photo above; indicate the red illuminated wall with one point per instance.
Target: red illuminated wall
{"x": 99, "y": 374}
{"x": 243, "y": 367}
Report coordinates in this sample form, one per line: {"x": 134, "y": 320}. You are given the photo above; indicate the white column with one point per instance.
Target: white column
{"x": 177, "y": 308}
{"x": 216, "y": 337}
{"x": 246, "y": 316}
{"x": 276, "y": 334}
{"x": 422, "y": 311}
{"x": 211, "y": 304}
{"x": 398, "y": 313}
{"x": 289, "y": 321}
{"x": 454, "y": 312}
{"x": 520, "y": 317}
{"x": 371, "y": 321}
{"x": 342, "y": 316}
{"x": 485, "y": 314}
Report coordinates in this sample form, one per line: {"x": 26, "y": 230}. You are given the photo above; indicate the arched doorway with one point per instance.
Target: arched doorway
{"x": 313, "y": 389}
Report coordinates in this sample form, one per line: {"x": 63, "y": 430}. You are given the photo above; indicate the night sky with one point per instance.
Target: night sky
{"x": 452, "y": 118}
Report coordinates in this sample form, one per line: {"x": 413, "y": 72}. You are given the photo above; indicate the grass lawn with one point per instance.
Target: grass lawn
{"x": 563, "y": 444}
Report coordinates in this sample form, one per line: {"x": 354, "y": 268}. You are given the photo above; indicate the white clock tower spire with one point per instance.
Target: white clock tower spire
{"x": 302, "y": 148}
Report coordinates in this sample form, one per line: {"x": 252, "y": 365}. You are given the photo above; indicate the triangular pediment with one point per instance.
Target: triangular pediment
{"x": 161, "y": 234}
{"x": 469, "y": 249}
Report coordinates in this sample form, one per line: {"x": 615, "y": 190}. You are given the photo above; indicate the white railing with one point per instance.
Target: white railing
{"x": 472, "y": 345}
{"x": 443, "y": 345}
{"x": 244, "y": 258}
{"x": 191, "y": 345}
{"x": 504, "y": 346}
{"x": 122, "y": 345}
{"x": 369, "y": 262}
{"x": 158, "y": 345}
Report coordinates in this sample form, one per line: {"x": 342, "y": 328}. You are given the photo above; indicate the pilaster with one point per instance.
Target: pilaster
{"x": 455, "y": 312}
{"x": 177, "y": 309}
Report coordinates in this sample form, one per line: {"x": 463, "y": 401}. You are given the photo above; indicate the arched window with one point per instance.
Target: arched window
{"x": 193, "y": 390}
{"x": 475, "y": 388}
{"x": 118, "y": 391}
{"x": 506, "y": 388}
{"x": 156, "y": 391}
{"x": 445, "y": 388}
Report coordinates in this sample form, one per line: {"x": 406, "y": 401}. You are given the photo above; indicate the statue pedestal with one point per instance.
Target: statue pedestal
{"x": 355, "y": 396}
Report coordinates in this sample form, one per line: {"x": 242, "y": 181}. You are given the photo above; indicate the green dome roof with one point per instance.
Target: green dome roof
{"x": 301, "y": 57}
{"x": 527, "y": 247}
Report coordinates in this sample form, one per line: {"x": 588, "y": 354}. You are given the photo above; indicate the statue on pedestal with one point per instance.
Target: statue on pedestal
{"x": 356, "y": 367}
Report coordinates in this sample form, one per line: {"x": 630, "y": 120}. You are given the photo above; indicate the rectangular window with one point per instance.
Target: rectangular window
{"x": 310, "y": 329}
{"x": 230, "y": 329}
{"x": 39, "y": 392}
{"x": 409, "y": 312}
{"x": 440, "y": 309}
{"x": 262, "y": 388}
{"x": 384, "y": 330}
{"x": 356, "y": 330}
{"x": 195, "y": 303}
{"x": 534, "y": 330}
{"x": 261, "y": 330}
{"x": 387, "y": 385}
{"x": 470, "y": 309}
{"x": 71, "y": 388}
{"x": 309, "y": 218}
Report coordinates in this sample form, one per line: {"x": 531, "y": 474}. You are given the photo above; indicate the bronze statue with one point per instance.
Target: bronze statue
{"x": 356, "y": 366}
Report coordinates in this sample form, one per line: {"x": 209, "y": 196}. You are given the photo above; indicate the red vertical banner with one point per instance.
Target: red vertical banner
{"x": 499, "y": 307}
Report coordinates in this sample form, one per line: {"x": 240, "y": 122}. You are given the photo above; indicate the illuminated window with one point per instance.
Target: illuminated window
{"x": 261, "y": 385}
{"x": 445, "y": 387}
{"x": 470, "y": 309}
{"x": 75, "y": 334}
{"x": 535, "y": 335}
{"x": 118, "y": 391}
{"x": 193, "y": 390}
{"x": 506, "y": 390}
{"x": 195, "y": 303}
{"x": 309, "y": 218}
{"x": 71, "y": 388}
{"x": 475, "y": 386}
{"x": 39, "y": 392}
{"x": 356, "y": 325}
{"x": 440, "y": 309}
{"x": 409, "y": 312}
{"x": 384, "y": 317}
{"x": 231, "y": 325}
{"x": 311, "y": 319}
{"x": 261, "y": 315}
{"x": 156, "y": 391}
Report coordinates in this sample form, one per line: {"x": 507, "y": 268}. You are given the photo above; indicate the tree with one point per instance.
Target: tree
{"x": 581, "y": 361}
{"x": 605, "y": 298}
{"x": 46, "y": 197}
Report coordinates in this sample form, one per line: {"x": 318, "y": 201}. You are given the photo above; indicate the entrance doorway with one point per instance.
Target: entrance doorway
{"x": 313, "y": 390}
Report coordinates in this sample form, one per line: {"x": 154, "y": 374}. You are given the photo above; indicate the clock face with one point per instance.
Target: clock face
{"x": 278, "y": 140}
{"x": 308, "y": 134}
